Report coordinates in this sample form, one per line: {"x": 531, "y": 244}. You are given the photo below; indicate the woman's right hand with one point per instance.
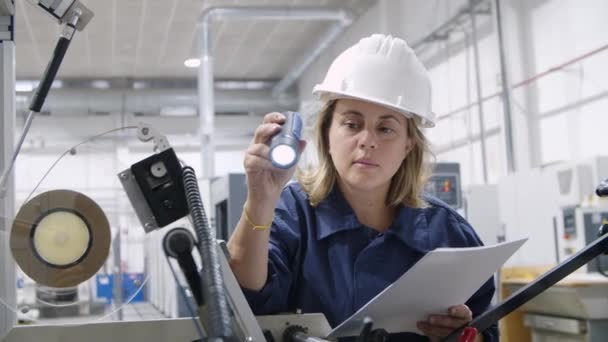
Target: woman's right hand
{"x": 264, "y": 181}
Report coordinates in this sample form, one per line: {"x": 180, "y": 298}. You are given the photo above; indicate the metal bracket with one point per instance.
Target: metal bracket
{"x": 138, "y": 201}
{"x": 145, "y": 132}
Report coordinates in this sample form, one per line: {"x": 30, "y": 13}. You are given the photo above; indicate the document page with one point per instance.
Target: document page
{"x": 443, "y": 278}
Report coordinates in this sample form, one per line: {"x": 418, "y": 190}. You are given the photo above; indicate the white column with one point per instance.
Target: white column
{"x": 206, "y": 105}
{"x": 8, "y": 291}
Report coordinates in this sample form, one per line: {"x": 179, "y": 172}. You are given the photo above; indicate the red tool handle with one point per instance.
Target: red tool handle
{"x": 468, "y": 335}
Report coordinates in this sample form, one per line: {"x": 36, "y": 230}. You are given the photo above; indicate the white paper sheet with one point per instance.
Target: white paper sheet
{"x": 442, "y": 278}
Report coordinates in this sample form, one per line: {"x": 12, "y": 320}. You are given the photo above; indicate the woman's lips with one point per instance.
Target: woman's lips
{"x": 365, "y": 162}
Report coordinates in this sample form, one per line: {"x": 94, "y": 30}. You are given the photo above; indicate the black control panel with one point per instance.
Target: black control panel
{"x": 445, "y": 184}
{"x": 160, "y": 179}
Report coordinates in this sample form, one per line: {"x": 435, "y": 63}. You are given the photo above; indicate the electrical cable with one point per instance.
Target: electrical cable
{"x": 69, "y": 150}
{"x": 213, "y": 290}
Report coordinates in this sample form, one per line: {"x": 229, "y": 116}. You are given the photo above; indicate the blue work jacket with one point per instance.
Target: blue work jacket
{"x": 322, "y": 259}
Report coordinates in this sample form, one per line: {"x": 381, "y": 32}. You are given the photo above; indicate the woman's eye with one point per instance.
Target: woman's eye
{"x": 351, "y": 125}
{"x": 386, "y": 130}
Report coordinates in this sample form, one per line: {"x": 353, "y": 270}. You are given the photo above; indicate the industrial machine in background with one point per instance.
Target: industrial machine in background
{"x": 162, "y": 191}
{"x": 558, "y": 207}
{"x": 577, "y": 308}
{"x": 577, "y": 227}
{"x": 482, "y": 211}
{"x": 549, "y": 205}
{"x": 580, "y": 211}
{"x": 228, "y": 195}
{"x": 445, "y": 184}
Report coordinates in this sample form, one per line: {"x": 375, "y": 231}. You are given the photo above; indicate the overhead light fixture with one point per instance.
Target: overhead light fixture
{"x": 192, "y": 62}
{"x": 139, "y": 85}
{"x": 100, "y": 84}
{"x": 249, "y": 85}
{"x": 178, "y": 111}
{"x": 57, "y": 84}
{"x": 25, "y": 86}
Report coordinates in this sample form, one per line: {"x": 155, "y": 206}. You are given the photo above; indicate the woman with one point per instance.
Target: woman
{"x": 352, "y": 226}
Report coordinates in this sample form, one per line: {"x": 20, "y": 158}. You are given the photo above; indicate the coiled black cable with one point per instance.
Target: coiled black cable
{"x": 219, "y": 325}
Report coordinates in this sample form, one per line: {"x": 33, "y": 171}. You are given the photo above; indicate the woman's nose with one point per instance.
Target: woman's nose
{"x": 367, "y": 140}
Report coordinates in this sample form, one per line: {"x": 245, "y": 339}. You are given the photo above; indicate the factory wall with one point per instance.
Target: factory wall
{"x": 556, "y": 55}
{"x": 556, "y": 118}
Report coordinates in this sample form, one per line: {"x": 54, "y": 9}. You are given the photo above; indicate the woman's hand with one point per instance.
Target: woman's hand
{"x": 440, "y": 326}
{"x": 264, "y": 181}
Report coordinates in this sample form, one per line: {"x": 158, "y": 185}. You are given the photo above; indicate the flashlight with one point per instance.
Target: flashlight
{"x": 285, "y": 146}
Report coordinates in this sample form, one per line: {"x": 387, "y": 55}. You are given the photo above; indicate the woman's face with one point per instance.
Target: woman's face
{"x": 367, "y": 143}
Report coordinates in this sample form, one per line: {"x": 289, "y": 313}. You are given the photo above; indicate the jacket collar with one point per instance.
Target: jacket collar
{"x": 335, "y": 215}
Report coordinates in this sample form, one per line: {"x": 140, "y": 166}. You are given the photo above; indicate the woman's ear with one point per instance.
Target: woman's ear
{"x": 409, "y": 146}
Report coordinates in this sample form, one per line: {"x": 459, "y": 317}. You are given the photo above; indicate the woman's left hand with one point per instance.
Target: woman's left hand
{"x": 440, "y": 326}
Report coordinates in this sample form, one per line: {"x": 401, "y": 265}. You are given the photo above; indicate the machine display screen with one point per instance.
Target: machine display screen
{"x": 446, "y": 187}
{"x": 569, "y": 222}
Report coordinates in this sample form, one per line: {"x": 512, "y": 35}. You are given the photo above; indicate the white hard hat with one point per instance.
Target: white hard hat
{"x": 382, "y": 70}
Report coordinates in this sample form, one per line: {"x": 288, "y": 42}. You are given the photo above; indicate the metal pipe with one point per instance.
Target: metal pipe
{"x": 63, "y": 102}
{"x": 271, "y": 13}
{"x": 307, "y": 60}
{"x": 561, "y": 66}
{"x": 206, "y": 115}
{"x": 482, "y": 127}
{"x": 463, "y": 142}
{"x": 529, "y": 80}
{"x": 343, "y": 19}
{"x": 506, "y": 91}
{"x": 205, "y": 74}
{"x": 439, "y": 33}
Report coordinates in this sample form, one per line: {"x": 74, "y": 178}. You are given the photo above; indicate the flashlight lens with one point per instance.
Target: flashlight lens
{"x": 283, "y": 155}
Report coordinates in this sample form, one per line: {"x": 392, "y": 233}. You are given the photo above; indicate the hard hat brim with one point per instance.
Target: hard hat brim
{"x": 327, "y": 95}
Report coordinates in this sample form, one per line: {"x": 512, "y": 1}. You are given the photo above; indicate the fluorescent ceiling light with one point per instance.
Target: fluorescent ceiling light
{"x": 178, "y": 111}
{"x": 192, "y": 62}
{"x": 100, "y": 84}
{"x": 25, "y": 86}
{"x": 139, "y": 85}
{"x": 57, "y": 84}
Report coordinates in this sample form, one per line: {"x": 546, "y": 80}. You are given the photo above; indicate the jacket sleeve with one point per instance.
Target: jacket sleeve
{"x": 283, "y": 258}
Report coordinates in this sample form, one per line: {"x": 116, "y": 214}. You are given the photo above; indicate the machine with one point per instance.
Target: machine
{"x": 578, "y": 228}
{"x": 580, "y": 210}
{"x": 228, "y": 195}
{"x": 445, "y": 184}
{"x": 575, "y": 309}
{"x": 556, "y": 206}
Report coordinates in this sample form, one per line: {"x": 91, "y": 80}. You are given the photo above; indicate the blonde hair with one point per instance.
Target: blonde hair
{"x": 406, "y": 185}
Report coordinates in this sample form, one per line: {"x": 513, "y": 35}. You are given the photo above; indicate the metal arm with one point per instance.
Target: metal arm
{"x": 64, "y": 10}
{"x": 74, "y": 16}
{"x": 535, "y": 288}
